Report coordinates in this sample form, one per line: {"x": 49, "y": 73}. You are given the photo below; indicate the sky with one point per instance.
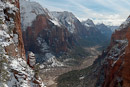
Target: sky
{"x": 109, "y": 12}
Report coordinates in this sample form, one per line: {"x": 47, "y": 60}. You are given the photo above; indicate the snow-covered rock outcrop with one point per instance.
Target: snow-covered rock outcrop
{"x": 30, "y": 10}
{"x": 125, "y": 24}
{"x": 42, "y": 32}
{"x": 31, "y": 59}
{"x": 88, "y": 23}
{"x": 116, "y": 65}
{"x": 53, "y": 62}
{"x": 67, "y": 19}
{"x": 14, "y": 71}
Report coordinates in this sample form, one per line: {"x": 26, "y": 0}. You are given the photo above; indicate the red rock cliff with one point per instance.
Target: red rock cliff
{"x": 59, "y": 39}
{"x": 117, "y": 63}
{"x": 16, "y": 31}
{"x": 14, "y": 69}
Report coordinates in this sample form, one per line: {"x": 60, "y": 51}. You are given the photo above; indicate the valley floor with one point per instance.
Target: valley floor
{"x": 49, "y": 76}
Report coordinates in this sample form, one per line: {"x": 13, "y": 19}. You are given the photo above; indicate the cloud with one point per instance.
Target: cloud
{"x": 113, "y": 4}
{"x": 114, "y": 19}
{"x": 106, "y": 18}
{"x": 118, "y": 9}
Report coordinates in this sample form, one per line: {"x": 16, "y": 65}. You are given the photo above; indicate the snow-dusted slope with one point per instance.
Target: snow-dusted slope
{"x": 88, "y": 23}
{"x": 46, "y": 55}
{"x": 14, "y": 71}
{"x": 116, "y": 65}
{"x": 125, "y": 24}
{"x": 67, "y": 19}
{"x": 53, "y": 61}
{"x": 30, "y": 10}
{"x": 43, "y": 22}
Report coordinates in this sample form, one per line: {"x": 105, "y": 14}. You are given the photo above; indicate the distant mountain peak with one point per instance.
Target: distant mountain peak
{"x": 29, "y": 11}
{"x": 101, "y": 24}
{"x": 89, "y": 23}
{"x": 63, "y": 14}
{"x": 67, "y": 19}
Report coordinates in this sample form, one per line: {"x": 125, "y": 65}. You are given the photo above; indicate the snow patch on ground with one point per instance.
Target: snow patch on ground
{"x": 52, "y": 59}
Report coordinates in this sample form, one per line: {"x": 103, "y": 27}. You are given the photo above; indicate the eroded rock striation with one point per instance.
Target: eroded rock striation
{"x": 14, "y": 69}
{"x": 116, "y": 70}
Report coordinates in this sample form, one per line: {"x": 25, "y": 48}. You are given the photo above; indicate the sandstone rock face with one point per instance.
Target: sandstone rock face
{"x": 13, "y": 17}
{"x": 31, "y": 59}
{"x": 14, "y": 70}
{"x": 96, "y": 34}
{"x": 45, "y": 34}
{"x": 116, "y": 65}
{"x": 126, "y": 66}
{"x": 54, "y": 36}
{"x": 72, "y": 24}
{"x": 57, "y": 33}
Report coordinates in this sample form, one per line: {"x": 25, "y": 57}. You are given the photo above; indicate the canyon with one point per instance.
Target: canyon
{"x": 58, "y": 35}
{"x": 42, "y": 48}
{"x": 110, "y": 69}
